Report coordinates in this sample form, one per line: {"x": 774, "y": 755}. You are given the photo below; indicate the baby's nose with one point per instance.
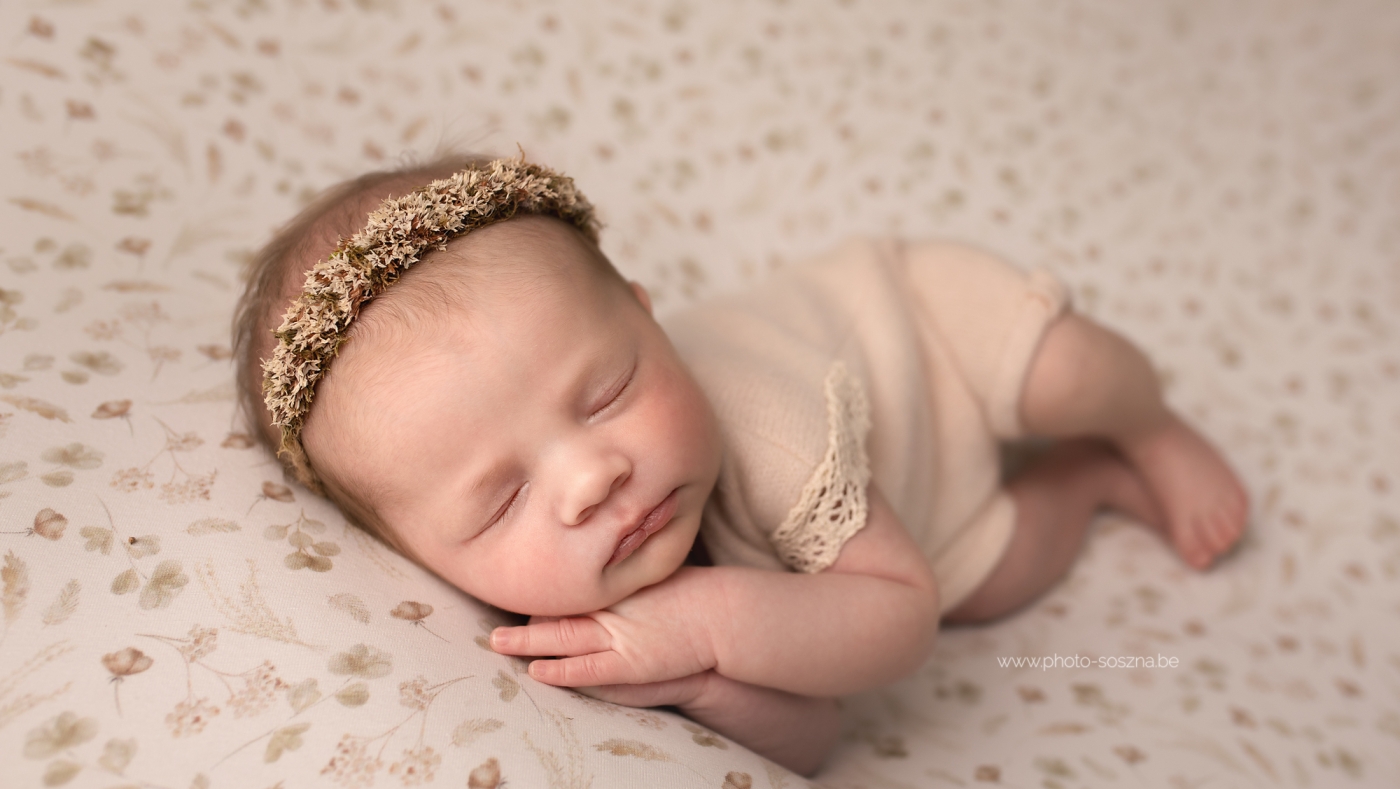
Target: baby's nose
{"x": 592, "y": 481}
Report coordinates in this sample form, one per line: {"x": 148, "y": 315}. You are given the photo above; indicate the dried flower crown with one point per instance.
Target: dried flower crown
{"x": 396, "y": 236}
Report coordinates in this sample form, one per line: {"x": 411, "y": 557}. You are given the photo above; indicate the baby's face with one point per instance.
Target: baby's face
{"x": 542, "y": 448}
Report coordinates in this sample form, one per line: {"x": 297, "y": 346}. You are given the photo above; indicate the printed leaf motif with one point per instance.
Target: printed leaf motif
{"x": 351, "y": 605}
{"x": 58, "y": 479}
{"x": 467, "y": 732}
{"x": 216, "y": 394}
{"x": 99, "y": 361}
{"x": 212, "y": 526}
{"x": 97, "y": 539}
{"x": 58, "y": 734}
{"x": 65, "y": 605}
{"x": 49, "y": 524}
{"x": 112, "y": 409}
{"x": 34, "y": 406}
{"x": 61, "y": 772}
{"x": 126, "y": 582}
{"x": 621, "y": 747}
{"x": 277, "y": 492}
{"x": 14, "y": 580}
{"x": 362, "y": 661}
{"x": 116, "y": 755}
{"x": 276, "y": 531}
{"x": 303, "y": 694}
{"x": 506, "y": 684}
{"x": 353, "y": 695}
{"x": 75, "y": 455}
{"x": 248, "y": 610}
{"x": 9, "y": 472}
{"x": 704, "y": 737}
{"x": 29, "y": 203}
{"x": 143, "y": 546}
{"x": 164, "y": 586}
{"x": 287, "y": 738}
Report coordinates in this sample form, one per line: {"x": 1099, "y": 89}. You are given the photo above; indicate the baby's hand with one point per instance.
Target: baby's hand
{"x": 657, "y": 634}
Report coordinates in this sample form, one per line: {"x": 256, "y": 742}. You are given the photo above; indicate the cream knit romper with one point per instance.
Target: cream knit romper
{"x": 892, "y": 361}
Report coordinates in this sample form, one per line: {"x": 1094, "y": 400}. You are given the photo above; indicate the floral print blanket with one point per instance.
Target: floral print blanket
{"x": 1219, "y": 181}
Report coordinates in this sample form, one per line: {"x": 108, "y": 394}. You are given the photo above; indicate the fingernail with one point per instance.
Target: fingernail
{"x": 498, "y": 639}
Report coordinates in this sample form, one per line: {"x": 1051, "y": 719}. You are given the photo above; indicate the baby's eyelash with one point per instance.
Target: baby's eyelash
{"x": 510, "y": 506}
{"x": 612, "y": 400}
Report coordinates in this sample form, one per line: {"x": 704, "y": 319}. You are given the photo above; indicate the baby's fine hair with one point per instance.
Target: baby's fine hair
{"x": 275, "y": 277}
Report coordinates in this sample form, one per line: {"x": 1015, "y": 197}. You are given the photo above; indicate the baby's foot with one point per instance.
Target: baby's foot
{"x": 1204, "y": 503}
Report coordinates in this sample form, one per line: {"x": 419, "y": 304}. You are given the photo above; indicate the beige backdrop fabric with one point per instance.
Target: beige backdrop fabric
{"x": 1221, "y": 181}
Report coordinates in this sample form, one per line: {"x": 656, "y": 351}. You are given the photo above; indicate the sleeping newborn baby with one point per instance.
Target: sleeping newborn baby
{"x": 445, "y": 353}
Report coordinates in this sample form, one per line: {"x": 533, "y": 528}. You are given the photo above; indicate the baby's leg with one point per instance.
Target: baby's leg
{"x": 1088, "y": 381}
{"x": 795, "y": 731}
{"x": 1056, "y": 496}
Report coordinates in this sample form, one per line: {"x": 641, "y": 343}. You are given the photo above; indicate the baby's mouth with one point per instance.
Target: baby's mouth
{"x": 659, "y": 516}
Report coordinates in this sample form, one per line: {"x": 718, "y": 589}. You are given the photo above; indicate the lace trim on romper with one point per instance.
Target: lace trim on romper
{"x": 833, "y": 504}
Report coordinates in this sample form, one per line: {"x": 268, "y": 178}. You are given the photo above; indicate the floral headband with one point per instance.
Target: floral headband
{"x": 396, "y": 236}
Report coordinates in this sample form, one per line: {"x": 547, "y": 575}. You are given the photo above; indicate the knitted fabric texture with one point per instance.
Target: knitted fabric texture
{"x": 833, "y": 503}
{"x": 396, "y": 236}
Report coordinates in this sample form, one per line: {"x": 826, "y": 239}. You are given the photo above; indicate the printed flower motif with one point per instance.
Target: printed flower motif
{"x": 487, "y": 775}
{"x": 200, "y": 642}
{"x": 49, "y": 524}
{"x": 262, "y": 686}
{"x": 417, "y": 766}
{"x": 414, "y": 693}
{"x": 276, "y": 492}
{"x": 190, "y": 717}
{"x": 125, "y": 662}
{"x": 238, "y": 441}
{"x": 130, "y": 480}
{"x": 351, "y": 765}
{"x": 414, "y": 612}
{"x": 192, "y": 489}
{"x": 184, "y": 443}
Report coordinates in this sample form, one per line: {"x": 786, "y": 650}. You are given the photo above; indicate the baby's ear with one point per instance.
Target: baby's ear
{"x": 641, "y": 294}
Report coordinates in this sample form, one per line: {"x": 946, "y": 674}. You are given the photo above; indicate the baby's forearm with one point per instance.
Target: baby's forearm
{"x": 795, "y": 731}
{"x": 826, "y": 634}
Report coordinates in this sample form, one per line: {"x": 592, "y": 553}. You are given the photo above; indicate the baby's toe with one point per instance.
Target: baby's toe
{"x": 1191, "y": 544}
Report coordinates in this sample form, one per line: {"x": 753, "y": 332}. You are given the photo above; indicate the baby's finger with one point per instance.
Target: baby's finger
{"x": 572, "y": 636}
{"x": 651, "y": 694}
{"x": 599, "y": 668}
